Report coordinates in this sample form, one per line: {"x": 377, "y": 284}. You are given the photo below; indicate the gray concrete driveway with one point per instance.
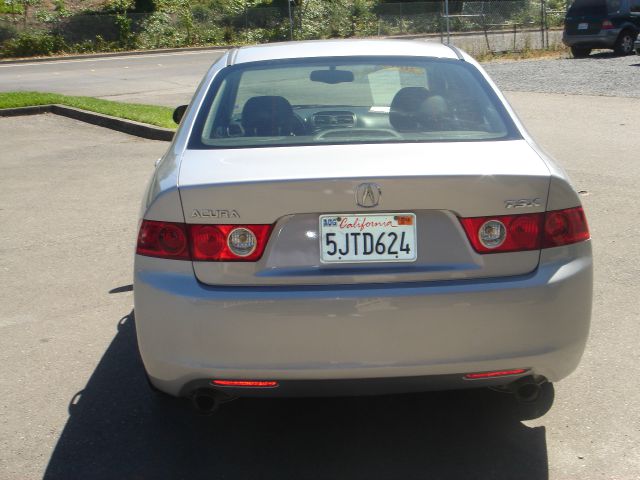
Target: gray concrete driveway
{"x": 75, "y": 404}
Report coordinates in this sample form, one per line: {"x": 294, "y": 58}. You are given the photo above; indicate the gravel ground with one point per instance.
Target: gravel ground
{"x": 600, "y": 74}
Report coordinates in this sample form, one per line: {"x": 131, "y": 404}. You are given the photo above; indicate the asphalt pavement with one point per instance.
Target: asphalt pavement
{"x": 171, "y": 78}
{"x": 156, "y": 78}
{"x": 74, "y": 400}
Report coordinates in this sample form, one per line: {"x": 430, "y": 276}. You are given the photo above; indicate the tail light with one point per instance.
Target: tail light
{"x": 163, "y": 239}
{"x": 517, "y": 233}
{"x": 563, "y": 227}
{"x": 216, "y": 243}
{"x": 228, "y": 243}
{"x": 607, "y": 25}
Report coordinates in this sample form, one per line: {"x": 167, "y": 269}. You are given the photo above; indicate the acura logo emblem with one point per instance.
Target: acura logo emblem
{"x": 368, "y": 194}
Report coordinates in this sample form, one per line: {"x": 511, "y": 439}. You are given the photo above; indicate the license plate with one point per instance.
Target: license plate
{"x": 384, "y": 237}
{"x": 583, "y": 26}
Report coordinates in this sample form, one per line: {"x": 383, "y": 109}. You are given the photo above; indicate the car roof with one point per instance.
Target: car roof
{"x": 343, "y": 48}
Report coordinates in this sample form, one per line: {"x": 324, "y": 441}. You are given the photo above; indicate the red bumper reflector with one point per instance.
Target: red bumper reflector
{"x": 497, "y": 373}
{"x": 245, "y": 383}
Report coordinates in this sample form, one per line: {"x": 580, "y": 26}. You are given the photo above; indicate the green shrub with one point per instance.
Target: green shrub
{"x": 334, "y": 18}
{"x": 13, "y": 8}
{"x": 201, "y": 14}
{"x": 279, "y": 33}
{"x": 211, "y": 35}
{"x": 98, "y": 44}
{"x": 86, "y": 46}
{"x": 229, "y": 35}
{"x": 29, "y": 44}
{"x": 157, "y": 31}
{"x": 251, "y": 36}
{"x": 365, "y": 22}
{"x": 7, "y": 32}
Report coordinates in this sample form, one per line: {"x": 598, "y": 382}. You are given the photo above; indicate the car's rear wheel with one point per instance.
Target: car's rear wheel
{"x": 624, "y": 44}
{"x": 580, "y": 52}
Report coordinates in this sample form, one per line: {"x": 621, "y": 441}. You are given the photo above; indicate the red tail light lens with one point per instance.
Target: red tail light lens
{"x": 163, "y": 239}
{"x": 522, "y": 232}
{"x": 563, "y": 227}
{"x": 207, "y": 241}
{"x": 607, "y": 25}
{"x": 214, "y": 243}
{"x": 517, "y": 233}
{"x": 211, "y": 243}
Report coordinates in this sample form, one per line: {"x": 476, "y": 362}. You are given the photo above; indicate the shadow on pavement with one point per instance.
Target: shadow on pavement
{"x": 117, "y": 429}
{"x": 122, "y": 289}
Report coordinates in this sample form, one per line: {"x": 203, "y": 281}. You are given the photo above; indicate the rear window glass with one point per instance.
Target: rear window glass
{"x": 342, "y": 100}
{"x": 594, "y": 7}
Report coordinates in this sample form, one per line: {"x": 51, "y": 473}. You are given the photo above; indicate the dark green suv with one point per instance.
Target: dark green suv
{"x": 593, "y": 24}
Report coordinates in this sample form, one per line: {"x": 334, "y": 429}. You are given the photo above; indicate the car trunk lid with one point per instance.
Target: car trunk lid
{"x": 292, "y": 187}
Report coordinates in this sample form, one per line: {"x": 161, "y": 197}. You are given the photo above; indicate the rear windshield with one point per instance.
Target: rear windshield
{"x": 349, "y": 100}
{"x": 594, "y": 7}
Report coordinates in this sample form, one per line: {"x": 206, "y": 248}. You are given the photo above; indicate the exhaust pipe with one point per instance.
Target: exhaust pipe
{"x": 526, "y": 390}
{"x": 205, "y": 401}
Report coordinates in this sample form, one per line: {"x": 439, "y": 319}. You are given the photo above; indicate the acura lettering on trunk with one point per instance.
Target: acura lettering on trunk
{"x": 207, "y": 212}
{"x": 473, "y": 269}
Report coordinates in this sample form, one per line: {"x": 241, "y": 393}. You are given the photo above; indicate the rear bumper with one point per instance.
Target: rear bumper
{"x": 189, "y": 332}
{"x": 603, "y": 39}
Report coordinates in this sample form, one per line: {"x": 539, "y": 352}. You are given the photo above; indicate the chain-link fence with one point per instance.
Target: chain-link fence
{"x": 203, "y": 25}
{"x": 431, "y": 17}
{"x": 503, "y": 25}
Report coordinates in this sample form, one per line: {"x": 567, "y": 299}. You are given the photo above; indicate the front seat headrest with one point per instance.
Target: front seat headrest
{"x": 267, "y": 116}
{"x": 405, "y": 109}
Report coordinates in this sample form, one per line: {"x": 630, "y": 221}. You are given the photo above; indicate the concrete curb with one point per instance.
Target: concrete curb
{"x": 130, "y": 127}
{"x": 112, "y": 54}
{"x": 16, "y": 112}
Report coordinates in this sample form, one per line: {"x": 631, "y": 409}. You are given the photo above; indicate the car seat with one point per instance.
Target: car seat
{"x": 416, "y": 109}
{"x": 268, "y": 116}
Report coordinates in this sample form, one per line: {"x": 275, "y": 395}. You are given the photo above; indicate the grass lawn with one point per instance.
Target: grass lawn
{"x": 151, "y": 114}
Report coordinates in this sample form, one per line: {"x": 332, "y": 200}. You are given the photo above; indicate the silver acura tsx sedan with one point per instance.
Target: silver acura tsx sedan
{"x": 356, "y": 217}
